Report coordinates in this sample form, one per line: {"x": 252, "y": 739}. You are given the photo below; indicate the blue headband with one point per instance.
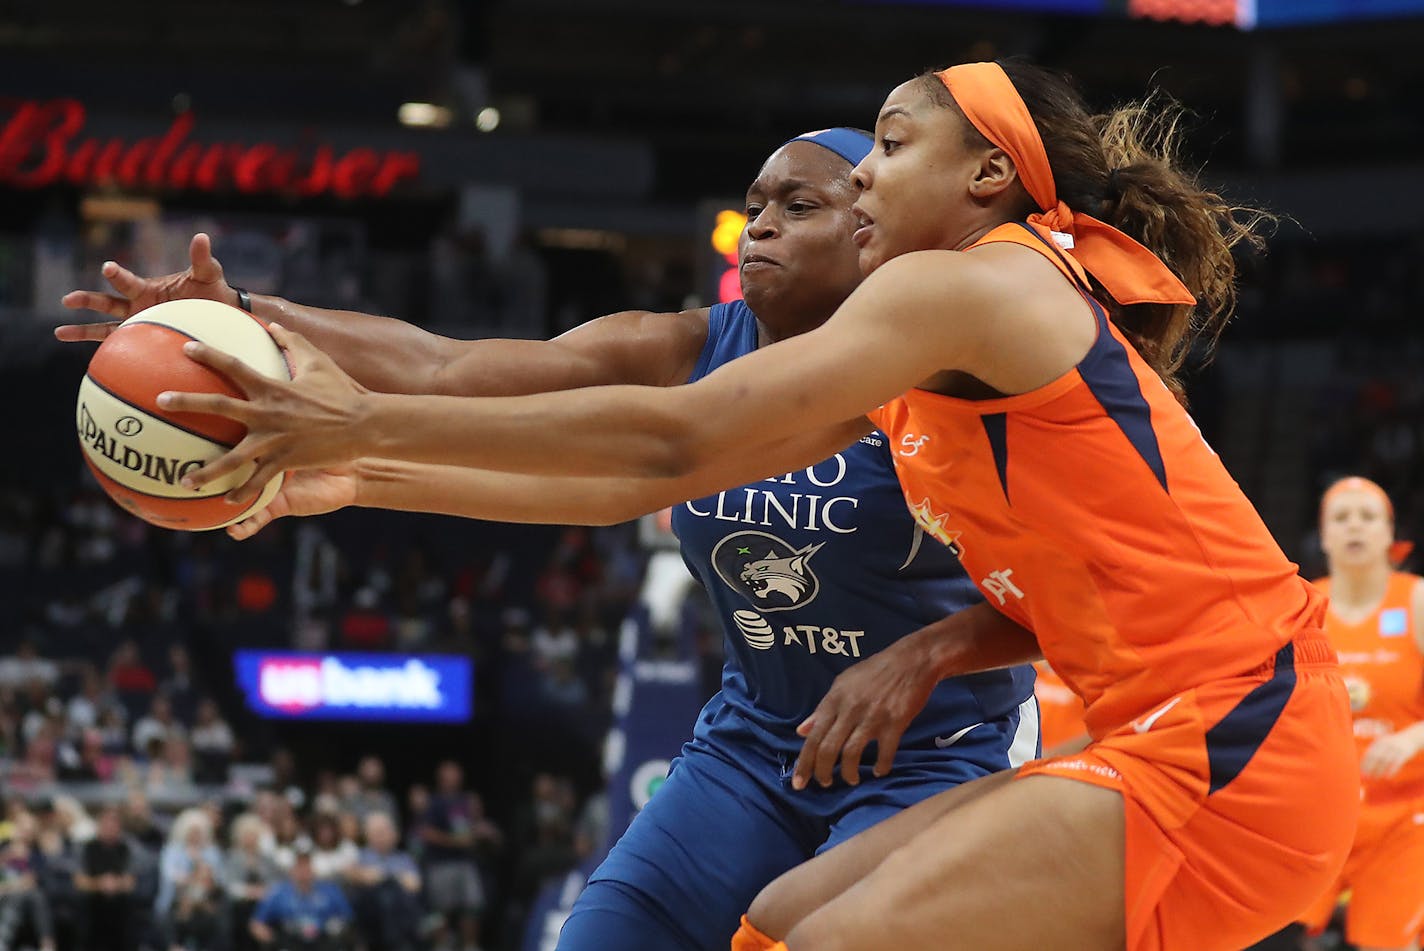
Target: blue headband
{"x": 847, "y": 143}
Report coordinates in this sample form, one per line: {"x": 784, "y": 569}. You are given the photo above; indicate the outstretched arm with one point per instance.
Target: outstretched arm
{"x": 891, "y": 334}
{"x": 510, "y": 497}
{"x": 391, "y": 356}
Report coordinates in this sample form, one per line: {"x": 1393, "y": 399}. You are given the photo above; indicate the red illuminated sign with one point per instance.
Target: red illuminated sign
{"x": 40, "y": 145}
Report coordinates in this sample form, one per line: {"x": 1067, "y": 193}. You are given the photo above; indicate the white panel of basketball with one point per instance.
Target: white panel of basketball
{"x": 203, "y": 320}
{"x": 168, "y": 452}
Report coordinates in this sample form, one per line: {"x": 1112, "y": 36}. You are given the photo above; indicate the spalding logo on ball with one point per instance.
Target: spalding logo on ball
{"x": 139, "y": 452}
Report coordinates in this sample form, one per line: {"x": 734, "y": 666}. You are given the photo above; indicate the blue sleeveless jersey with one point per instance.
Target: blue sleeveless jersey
{"x": 811, "y": 571}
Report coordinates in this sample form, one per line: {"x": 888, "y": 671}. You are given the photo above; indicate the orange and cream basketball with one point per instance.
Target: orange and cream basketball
{"x": 139, "y": 452}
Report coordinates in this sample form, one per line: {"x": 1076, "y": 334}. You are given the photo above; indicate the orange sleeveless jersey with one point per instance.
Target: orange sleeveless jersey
{"x": 1091, "y": 511}
{"x": 1384, "y": 673}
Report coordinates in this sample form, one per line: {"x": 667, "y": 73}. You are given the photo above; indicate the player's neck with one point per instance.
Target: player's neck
{"x": 1359, "y": 587}
{"x": 785, "y": 327}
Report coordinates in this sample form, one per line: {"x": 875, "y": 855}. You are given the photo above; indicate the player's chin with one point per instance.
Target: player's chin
{"x": 764, "y": 287}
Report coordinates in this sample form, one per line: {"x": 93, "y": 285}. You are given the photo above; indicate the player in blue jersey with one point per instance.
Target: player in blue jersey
{"x": 809, "y": 573}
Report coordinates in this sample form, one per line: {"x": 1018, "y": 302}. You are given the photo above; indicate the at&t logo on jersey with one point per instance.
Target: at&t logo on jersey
{"x": 816, "y": 639}
{"x": 767, "y": 572}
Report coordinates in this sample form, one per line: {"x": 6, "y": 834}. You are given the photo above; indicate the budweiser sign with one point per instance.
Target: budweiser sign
{"x": 42, "y": 144}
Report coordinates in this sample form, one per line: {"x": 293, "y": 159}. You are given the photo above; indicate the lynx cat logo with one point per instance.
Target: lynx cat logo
{"x": 766, "y": 571}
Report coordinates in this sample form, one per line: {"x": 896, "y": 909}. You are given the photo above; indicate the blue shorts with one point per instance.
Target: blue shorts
{"x": 727, "y": 822}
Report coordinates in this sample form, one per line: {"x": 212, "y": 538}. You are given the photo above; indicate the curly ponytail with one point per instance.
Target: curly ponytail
{"x": 1149, "y": 196}
{"x": 1122, "y": 168}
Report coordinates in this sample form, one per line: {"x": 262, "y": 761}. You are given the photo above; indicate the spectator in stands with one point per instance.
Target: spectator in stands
{"x": 93, "y": 699}
{"x": 366, "y": 625}
{"x": 85, "y": 760}
{"x": 591, "y": 828}
{"x": 249, "y": 874}
{"x": 190, "y": 845}
{"x": 562, "y": 687}
{"x": 417, "y": 802}
{"x": 106, "y": 878}
{"x": 385, "y": 885}
{"x": 24, "y": 909}
{"x": 42, "y": 710}
{"x": 40, "y": 753}
{"x": 284, "y": 777}
{"x": 196, "y": 919}
{"x": 350, "y": 827}
{"x": 288, "y": 835}
{"x": 9, "y": 723}
{"x": 554, "y": 640}
{"x": 26, "y": 666}
{"x": 301, "y": 913}
{"x": 178, "y": 687}
{"x": 212, "y": 742}
{"x": 332, "y": 855}
{"x": 59, "y": 865}
{"x": 372, "y": 796}
{"x": 453, "y": 829}
{"x": 130, "y": 677}
{"x": 159, "y": 724}
{"x": 76, "y": 822}
{"x": 544, "y": 839}
{"x": 112, "y": 731}
{"x": 170, "y": 770}
{"x": 138, "y": 821}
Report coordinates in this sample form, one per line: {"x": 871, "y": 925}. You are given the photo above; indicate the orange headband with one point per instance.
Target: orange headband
{"x": 1131, "y": 273}
{"x": 1399, "y": 550}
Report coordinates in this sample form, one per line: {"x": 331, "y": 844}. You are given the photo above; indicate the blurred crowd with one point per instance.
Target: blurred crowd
{"x": 146, "y": 807}
{"x": 339, "y": 865}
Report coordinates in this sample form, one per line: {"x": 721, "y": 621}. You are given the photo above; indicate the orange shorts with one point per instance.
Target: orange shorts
{"x": 1240, "y": 799}
{"x": 1385, "y": 876}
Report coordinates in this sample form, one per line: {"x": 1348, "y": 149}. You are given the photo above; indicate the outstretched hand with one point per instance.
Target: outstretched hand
{"x": 310, "y": 422}
{"x": 872, "y": 701}
{"x": 304, "y": 492}
{"x": 202, "y": 280}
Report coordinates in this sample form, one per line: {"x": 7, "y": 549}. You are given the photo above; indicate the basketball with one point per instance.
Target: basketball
{"x": 139, "y": 452}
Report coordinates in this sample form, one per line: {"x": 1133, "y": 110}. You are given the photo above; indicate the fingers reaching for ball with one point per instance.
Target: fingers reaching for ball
{"x": 307, "y": 422}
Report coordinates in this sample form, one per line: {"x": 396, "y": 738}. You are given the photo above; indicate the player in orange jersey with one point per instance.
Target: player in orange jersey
{"x": 1374, "y": 623}
{"x": 1036, "y": 348}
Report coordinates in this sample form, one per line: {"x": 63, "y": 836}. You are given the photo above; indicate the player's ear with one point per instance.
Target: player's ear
{"x": 995, "y": 173}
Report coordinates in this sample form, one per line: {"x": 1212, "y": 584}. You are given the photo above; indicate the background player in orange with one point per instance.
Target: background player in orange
{"x": 1014, "y": 349}
{"x": 1374, "y": 623}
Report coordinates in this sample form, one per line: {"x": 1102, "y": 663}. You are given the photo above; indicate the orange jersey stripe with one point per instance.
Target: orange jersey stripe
{"x": 1384, "y": 673}
{"x": 1091, "y": 511}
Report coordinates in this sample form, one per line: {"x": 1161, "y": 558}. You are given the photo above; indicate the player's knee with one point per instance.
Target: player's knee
{"x": 815, "y": 931}
{"x": 772, "y": 912}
